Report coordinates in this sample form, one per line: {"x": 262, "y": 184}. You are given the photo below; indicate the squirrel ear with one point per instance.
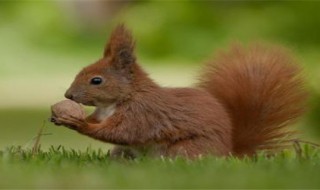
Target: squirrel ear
{"x": 120, "y": 47}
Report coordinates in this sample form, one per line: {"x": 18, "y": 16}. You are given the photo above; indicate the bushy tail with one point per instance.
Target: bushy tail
{"x": 262, "y": 90}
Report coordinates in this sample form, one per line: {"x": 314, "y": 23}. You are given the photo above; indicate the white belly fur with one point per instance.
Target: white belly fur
{"x": 103, "y": 113}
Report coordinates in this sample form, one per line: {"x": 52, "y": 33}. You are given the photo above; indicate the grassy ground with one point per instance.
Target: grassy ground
{"x": 65, "y": 162}
{"x": 61, "y": 168}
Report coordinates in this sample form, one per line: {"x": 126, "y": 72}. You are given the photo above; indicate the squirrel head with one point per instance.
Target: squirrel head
{"x": 110, "y": 78}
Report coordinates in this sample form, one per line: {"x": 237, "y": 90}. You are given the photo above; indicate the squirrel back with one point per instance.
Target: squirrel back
{"x": 262, "y": 89}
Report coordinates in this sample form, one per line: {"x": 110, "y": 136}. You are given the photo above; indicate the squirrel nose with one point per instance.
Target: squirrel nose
{"x": 68, "y": 95}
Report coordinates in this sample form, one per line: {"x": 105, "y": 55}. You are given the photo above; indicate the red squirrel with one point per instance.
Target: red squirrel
{"x": 244, "y": 102}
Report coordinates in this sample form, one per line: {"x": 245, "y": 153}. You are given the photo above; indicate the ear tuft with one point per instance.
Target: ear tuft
{"x": 120, "y": 46}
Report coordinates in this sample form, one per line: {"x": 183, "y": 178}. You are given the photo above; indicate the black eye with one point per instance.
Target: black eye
{"x": 96, "y": 81}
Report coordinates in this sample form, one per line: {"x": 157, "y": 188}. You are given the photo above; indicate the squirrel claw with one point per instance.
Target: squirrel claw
{"x": 72, "y": 122}
{"x": 54, "y": 120}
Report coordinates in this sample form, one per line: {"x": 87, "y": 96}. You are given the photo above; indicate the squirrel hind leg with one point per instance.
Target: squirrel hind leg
{"x": 122, "y": 152}
{"x": 194, "y": 148}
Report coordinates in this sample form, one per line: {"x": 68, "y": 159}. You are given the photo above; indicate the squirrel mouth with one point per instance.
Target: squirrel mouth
{"x": 89, "y": 103}
{"x": 86, "y": 103}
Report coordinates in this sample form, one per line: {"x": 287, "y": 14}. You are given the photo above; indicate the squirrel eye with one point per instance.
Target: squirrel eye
{"x": 96, "y": 81}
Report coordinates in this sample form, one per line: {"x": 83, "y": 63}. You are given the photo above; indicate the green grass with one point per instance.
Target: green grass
{"x": 92, "y": 168}
{"x": 65, "y": 162}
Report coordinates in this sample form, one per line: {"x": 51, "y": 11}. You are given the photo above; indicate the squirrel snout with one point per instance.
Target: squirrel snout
{"x": 68, "y": 95}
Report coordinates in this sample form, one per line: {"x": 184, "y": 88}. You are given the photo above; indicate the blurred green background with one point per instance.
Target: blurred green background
{"x": 43, "y": 44}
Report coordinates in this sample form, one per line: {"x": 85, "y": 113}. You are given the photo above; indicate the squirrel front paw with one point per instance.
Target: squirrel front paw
{"x": 69, "y": 114}
{"x": 71, "y": 122}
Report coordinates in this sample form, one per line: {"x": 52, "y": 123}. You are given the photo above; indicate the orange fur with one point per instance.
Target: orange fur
{"x": 262, "y": 89}
{"x": 243, "y": 103}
